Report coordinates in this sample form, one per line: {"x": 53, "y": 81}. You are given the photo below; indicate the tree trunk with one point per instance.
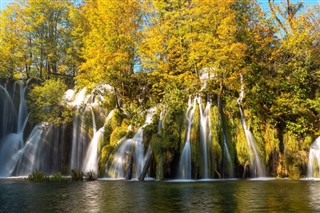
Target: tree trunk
{"x": 117, "y": 99}
{"x": 146, "y": 166}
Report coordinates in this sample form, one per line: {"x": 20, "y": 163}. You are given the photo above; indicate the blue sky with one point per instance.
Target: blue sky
{"x": 3, "y": 3}
{"x": 265, "y": 6}
{"x": 264, "y": 3}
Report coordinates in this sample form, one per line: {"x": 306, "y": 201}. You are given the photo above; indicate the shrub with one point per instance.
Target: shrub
{"x": 76, "y": 175}
{"x": 90, "y": 175}
{"x": 45, "y": 100}
{"x": 38, "y": 176}
{"x": 58, "y": 177}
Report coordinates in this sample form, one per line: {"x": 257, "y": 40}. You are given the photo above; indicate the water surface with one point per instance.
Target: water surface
{"x": 155, "y": 196}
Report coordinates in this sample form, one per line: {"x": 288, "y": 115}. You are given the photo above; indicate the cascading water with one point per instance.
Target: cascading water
{"x": 185, "y": 159}
{"x": 130, "y": 148}
{"x": 226, "y": 152}
{"x": 26, "y": 157}
{"x": 8, "y": 113}
{"x": 256, "y": 166}
{"x": 42, "y": 151}
{"x": 23, "y": 114}
{"x": 90, "y": 162}
{"x": 52, "y": 154}
{"x": 12, "y": 133}
{"x": 160, "y": 122}
{"x": 79, "y": 137}
{"x": 160, "y": 125}
{"x": 117, "y": 169}
{"x": 205, "y": 136}
{"x": 314, "y": 160}
{"x": 42, "y": 148}
{"x": 84, "y": 154}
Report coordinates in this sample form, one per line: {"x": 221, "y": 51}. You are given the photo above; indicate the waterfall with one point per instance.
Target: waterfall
{"x": 79, "y": 139}
{"x": 226, "y": 152}
{"x": 42, "y": 148}
{"x": 22, "y": 116}
{"x": 256, "y": 165}
{"x": 26, "y": 157}
{"x": 94, "y": 125}
{"x": 130, "y": 148}
{"x": 205, "y": 136}
{"x": 84, "y": 151}
{"x": 11, "y": 140}
{"x": 185, "y": 159}
{"x": 160, "y": 122}
{"x": 11, "y": 144}
{"x": 90, "y": 162}
{"x": 8, "y": 113}
{"x": 314, "y": 159}
{"x": 160, "y": 125}
{"x": 119, "y": 160}
{"x": 50, "y": 155}
{"x": 42, "y": 151}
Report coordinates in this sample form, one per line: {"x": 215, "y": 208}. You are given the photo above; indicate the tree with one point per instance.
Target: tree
{"x": 182, "y": 38}
{"x": 45, "y": 102}
{"x": 285, "y": 16}
{"x": 296, "y": 69}
{"x": 110, "y": 46}
{"x": 11, "y": 45}
{"x": 43, "y": 30}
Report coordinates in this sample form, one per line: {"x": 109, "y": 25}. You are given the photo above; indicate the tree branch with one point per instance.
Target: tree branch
{"x": 276, "y": 17}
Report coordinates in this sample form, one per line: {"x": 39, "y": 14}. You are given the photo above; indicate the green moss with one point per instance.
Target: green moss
{"x": 231, "y": 131}
{"x": 170, "y": 139}
{"x": 195, "y": 143}
{"x": 296, "y": 153}
{"x": 156, "y": 145}
{"x": 216, "y": 133}
{"x": 294, "y": 172}
{"x": 228, "y": 133}
{"x": 117, "y": 134}
{"x": 272, "y": 142}
{"x": 106, "y": 135}
{"x": 242, "y": 149}
{"x": 172, "y": 128}
{"x": 148, "y": 132}
{"x": 157, "y": 149}
{"x": 116, "y": 119}
{"x": 160, "y": 169}
{"x": 104, "y": 157}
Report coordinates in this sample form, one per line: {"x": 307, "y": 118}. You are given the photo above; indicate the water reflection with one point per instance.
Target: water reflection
{"x": 314, "y": 196}
{"x": 280, "y": 196}
{"x": 134, "y": 196}
{"x": 92, "y": 191}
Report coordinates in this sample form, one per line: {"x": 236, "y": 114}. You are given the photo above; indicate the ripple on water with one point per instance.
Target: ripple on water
{"x": 161, "y": 196}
